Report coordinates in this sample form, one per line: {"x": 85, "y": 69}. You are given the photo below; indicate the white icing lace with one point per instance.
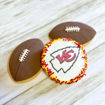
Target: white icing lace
{"x": 72, "y": 29}
{"x": 24, "y": 55}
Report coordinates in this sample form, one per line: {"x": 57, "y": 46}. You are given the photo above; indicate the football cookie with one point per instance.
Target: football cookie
{"x": 24, "y": 63}
{"x": 77, "y": 31}
{"x": 64, "y": 60}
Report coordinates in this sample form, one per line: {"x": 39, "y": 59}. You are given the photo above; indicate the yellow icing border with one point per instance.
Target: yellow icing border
{"x": 51, "y": 74}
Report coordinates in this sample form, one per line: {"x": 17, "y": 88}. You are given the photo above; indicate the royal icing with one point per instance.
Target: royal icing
{"x": 64, "y": 58}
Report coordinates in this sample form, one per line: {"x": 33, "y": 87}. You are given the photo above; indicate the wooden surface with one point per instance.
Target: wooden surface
{"x": 24, "y": 19}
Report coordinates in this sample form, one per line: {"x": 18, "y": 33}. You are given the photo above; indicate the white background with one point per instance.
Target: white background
{"x": 24, "y": 19}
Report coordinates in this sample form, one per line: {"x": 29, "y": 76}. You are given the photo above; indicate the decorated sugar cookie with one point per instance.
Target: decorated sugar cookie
{"x": 24, "y": 63}
{"x": 64, "y": 60}
{"x": 77, "y": 31}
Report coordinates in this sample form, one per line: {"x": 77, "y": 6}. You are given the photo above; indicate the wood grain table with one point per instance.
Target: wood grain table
{"x": 24, "y": 19}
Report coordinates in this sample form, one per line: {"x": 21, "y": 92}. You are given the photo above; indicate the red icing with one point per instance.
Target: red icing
{"x": 65, "y": 56}
{"x": 69, "y": 60}
{"x": 50, "y": 72}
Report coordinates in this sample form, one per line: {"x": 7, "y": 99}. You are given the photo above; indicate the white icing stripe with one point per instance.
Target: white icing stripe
{"x": 72, "y": 29}
{"x": 23, "y": 55}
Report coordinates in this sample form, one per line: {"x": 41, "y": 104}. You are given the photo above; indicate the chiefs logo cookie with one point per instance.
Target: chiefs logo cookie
{"x": 64, "y": 60}
{"x": 64, "y": 56}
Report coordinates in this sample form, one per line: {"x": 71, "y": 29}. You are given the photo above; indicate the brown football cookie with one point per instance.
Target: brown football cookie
{"x": 24, "y": 63}
{"x": 77, "y": 31}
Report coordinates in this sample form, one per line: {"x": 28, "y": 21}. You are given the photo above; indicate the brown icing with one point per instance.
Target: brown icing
{"x": 85, "y": 34}
{"x": 26, "y": 68}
